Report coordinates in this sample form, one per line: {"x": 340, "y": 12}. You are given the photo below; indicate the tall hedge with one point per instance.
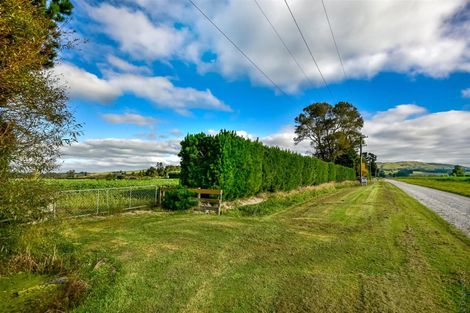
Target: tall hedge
{"x": 243, "y": 167}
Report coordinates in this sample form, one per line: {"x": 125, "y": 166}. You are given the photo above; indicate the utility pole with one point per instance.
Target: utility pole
{"x": 360, "y": 162}
{"x": 360, "y": 153}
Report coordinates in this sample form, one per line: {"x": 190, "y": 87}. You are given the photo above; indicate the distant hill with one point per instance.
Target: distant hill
{"x": 417, "y": 166}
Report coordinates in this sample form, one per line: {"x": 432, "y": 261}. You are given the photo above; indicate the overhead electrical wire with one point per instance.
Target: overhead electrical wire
{"x": 334, "y": 40}
{"x": 308, "y": 48}
{"x": 238, "y": 48}
{"x": 282, "y": 41}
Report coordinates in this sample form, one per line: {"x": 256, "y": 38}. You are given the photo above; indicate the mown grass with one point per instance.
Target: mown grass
{"x": 458, "y": 185}
{"x": 357, "y": 249}
{"x": 76, "y": 184}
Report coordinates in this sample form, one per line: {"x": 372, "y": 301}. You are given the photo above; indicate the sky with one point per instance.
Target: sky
{"x": 144, "y": 73}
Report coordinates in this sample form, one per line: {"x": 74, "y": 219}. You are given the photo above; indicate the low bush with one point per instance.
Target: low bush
{"x": 179, "y": 199}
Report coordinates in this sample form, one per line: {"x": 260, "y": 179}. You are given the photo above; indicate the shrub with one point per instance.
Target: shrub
{"x": 243, "y": 167}
{"x": 179, "y": 199}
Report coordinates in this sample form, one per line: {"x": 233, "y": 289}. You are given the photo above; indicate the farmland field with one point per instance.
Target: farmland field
{"x": 354, "y": 249}
{"x": 75, "y": 184}
{"x": 458, "y": 185}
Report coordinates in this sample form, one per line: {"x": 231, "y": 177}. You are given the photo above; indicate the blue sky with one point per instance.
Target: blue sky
{"x": 146, "y": 72}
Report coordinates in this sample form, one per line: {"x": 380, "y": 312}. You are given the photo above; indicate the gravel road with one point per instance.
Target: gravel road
{"x": 453, "y": 208}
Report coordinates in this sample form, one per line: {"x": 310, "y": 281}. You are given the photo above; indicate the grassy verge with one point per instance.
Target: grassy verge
{"x": 282, "y": 200}
{"x": 458, "y": 185}
{"x": 356, "y": 249}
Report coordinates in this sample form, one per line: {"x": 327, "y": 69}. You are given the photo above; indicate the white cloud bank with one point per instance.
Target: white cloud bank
{"x": 118, "y": 154}
{"x": 414, "y": 37}
{"x": 403, "y": 133}
{"x": 129, "y": 118}
{"x": 159, "y": 90}
{"x": 399, "y": 134}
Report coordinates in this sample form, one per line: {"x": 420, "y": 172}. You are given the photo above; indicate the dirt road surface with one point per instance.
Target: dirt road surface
{"x": 452, "y": 207}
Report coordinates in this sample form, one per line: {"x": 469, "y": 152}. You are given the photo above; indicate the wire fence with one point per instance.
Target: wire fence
{"x": 85, "y": 202}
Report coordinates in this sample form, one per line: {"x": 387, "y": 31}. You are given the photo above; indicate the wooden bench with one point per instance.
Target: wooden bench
{"x": 203, "y": 203}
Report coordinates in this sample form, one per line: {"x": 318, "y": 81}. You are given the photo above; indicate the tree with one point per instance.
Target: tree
{"x": 403, "y": 173}
{"x": 348, "y": 159}
{"x": 371, "y": 161}
{"x": 151, "y": 171}
{"x": 35, "y": 121}
{"x": 332, "y": 130}
{"x": 458, "y": 171}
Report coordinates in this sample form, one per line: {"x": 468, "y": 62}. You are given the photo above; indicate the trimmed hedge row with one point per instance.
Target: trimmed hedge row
{"x": 243, "y": 167}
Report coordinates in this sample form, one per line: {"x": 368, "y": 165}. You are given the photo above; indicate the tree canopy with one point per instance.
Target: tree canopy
{"x": 458, "y": 171}
{"x": 35, "y": 120}
{"x": 333, "y": 131}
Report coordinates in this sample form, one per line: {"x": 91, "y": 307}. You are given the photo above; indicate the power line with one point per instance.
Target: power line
{"x": 238, "y": 48}
{"x": 308, "y": 48}
{"x": 283, "y": 42}
{"x": 334, "y": 40}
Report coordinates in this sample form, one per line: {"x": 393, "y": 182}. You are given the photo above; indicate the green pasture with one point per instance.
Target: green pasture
{"x": 353, "y": 249}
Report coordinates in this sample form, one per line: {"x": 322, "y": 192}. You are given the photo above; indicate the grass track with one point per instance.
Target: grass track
{"x": 458, "y": 185}
{"x": 358, "y": 249}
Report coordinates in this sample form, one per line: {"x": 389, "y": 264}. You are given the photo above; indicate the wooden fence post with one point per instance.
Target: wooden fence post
{"x": 219, "y": 207}
{"x": 199, "y": 200}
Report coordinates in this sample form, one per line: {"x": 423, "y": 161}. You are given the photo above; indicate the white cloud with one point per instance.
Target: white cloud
{"x": 163, "y": 93}
{"x": 125, "y": 66}
{"x": 118, "y": 154}
{"x": 399, "y": 113}
{"x": 176, "y": 132}
{"x": 136, "y": 34}
{"x": 466, "y": 93}
{"x": 434, "y": 137}
{"x": 129, "y": 118}
{"x": 159, "y": 90}
{"x": 285, "y": 140}
{"x": 413, "y": 37}
{"x": 85, "y": 85}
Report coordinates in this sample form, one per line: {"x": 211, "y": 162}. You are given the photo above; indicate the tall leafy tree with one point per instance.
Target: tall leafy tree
{"x": 458, "y": 171}
{"x": 371, "y": 161}
{"x": 333, "y": 131}
{"x": 34, "y": 118}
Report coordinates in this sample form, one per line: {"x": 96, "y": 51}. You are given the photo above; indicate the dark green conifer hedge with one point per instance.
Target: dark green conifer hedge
{"x": 242, "y": 167}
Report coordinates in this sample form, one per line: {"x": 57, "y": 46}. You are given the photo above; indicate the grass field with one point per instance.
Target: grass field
{"x": 75, "y": 184}
{"x": 356, "y": 249}
{"x": 458, "y": 185}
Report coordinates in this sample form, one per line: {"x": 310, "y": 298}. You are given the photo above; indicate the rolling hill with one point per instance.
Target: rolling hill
{"x": 417, "y": 166}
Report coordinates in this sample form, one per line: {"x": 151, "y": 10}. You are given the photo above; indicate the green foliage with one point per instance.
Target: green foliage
{"x": 332, "y": 130}
{"x": 403, "y": 173}
{"x": 243, "y": 167}
{"x": 35, "y": 120}
{"x": 458, "y": 171}
{"x": 371, "y": 161}
{"x": 179, "y": 200}
{"x": 23, "y": 200}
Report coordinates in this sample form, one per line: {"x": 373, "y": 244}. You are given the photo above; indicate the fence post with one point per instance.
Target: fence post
{"x": 107, "y": 199}
{"x": 98, "y": 203}
{"x": 156, "y": 195}
{"x": 219, "y": 207}
{"x": 198, "y": 200}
